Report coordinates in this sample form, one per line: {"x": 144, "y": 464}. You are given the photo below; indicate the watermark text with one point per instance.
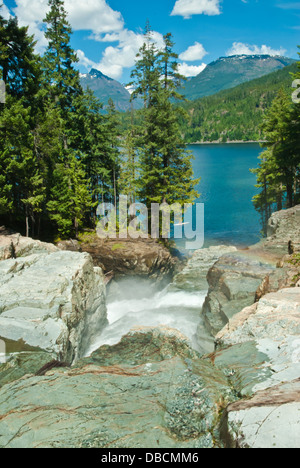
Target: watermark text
{"x": 161, "y": 221}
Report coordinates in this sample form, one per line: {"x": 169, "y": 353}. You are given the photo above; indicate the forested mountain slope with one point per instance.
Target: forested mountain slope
{"x": 235, "y": 114}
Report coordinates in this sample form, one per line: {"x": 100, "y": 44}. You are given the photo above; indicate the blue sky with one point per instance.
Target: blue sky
{"x": 108, "y": 33}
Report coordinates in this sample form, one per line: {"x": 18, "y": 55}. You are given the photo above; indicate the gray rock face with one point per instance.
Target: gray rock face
{"x": 261, "y": 346}
{"x": 194, "y": 276}
{"x": 238, "y": 280}
{"x": 54, "y": 302}
{"x": 271, "y": 419}
{"x": 233, "y": 283}
{"x": 274, "y": 316}
{"x": 284, "y": 231}
{"x": 151, "y": 390}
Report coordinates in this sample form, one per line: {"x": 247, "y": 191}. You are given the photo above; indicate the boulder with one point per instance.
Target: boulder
{"x": 54, "y": 302}
{"x": 284, "y": 232}
{"x": 14, "y": 245}
{"x": 233, "y": 284}
{"x": 260, "y": 349}
{"x": 194, "y": 276}
{"x": 275, "y": 316}
{"x": 151, "y": 390}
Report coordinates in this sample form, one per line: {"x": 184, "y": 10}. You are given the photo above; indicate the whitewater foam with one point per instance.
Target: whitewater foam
{"x": 175, "y": 309}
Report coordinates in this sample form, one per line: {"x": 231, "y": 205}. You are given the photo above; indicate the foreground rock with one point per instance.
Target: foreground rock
{"x": 271, "y": 419}
{"x": 194, "y": 276}
{"x": 23, "y": 363}
{"x": 51, "y": 301}
{"x": 128, "y": 257}
{"x": 151, "y": 390}
{"x": 260, "y": 348}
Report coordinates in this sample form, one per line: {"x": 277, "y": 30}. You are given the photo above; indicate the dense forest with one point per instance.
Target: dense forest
{"x": 60, "y": 156}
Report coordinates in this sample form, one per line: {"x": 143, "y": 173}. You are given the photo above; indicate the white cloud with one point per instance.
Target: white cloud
{"x": 191, "y": 70}
{"x": 88, "y": 15}
{"x": 5, "y": 13}
{"x": 193, "y": 53}
{"x": 188, "y": 8}
{"x": 115, "y": 59}
{"x": 238, "y": 48}
{"x": 85, "y": 61}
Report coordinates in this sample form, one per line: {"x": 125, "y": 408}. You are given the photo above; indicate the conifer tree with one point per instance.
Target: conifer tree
{"x": 62, "y": 78}
{"x": 278, "y": 172}
{"x": 21, "y": 184}
{"x": 166, "y": 173}
{"x": 70, "y": 197}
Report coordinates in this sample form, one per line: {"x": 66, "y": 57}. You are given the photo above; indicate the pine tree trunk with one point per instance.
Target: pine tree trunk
{"x": 27, "y": 225}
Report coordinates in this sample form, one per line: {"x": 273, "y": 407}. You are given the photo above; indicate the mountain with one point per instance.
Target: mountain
{"x": 235, "y": 114}
{"x": 105, "y": 88}
{"x": 228, "y": 72}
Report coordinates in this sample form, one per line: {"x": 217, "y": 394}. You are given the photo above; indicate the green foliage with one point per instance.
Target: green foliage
{"x": 58, "y": 154}
{"x": 70, "y": 197}
{"x": 278, "y": 174}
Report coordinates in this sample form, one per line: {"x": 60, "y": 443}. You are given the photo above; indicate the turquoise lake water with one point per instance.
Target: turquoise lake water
{"x": 227, "y": 188}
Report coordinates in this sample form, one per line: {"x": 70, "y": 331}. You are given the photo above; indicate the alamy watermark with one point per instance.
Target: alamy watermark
{"x": 162, "y": 221}
{"x": 2, "y": 352}
{"x": 2, "y": 92}
{"x": 296, "y": 93}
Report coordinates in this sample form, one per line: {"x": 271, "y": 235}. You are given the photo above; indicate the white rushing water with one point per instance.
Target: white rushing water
{"x": 134, "y": 302}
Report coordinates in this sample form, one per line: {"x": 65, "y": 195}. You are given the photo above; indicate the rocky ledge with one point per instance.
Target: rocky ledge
{"x": 127, "y": 257}
{"x": 152, "y": 390}
{"x": 241, "y": 278}
{"x": 49, "y": 300}
{"x": 261, "y": 346}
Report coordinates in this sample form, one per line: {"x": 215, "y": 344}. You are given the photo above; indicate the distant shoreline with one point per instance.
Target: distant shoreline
{"x": 226, "y": 142}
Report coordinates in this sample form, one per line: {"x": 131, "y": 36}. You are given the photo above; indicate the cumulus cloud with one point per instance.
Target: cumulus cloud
{"x": 123, "y": 55}
{"x": 238, "y": 48}
{"x": 88, "y": 15}
{"x": 188, "y": 8}
{"x": 193, "y": 53}
{"x": 191, "y": 70}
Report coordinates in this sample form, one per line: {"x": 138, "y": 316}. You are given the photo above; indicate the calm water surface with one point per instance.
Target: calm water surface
{"x": 227, "y": 188}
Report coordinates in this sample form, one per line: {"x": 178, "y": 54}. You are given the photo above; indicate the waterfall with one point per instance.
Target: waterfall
{"x": 135, "y": 302}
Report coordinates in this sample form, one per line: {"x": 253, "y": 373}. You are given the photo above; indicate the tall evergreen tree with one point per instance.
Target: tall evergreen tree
{"x": 62, "y": 78}
{"x": 279, "y": 170}
{"x": 21, "y": 184}
{"x": 70, "y": 196}
{"x": 166, "y": 173}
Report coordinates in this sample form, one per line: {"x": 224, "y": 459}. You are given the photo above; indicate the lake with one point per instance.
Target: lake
{"x": 227, "y": 188}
